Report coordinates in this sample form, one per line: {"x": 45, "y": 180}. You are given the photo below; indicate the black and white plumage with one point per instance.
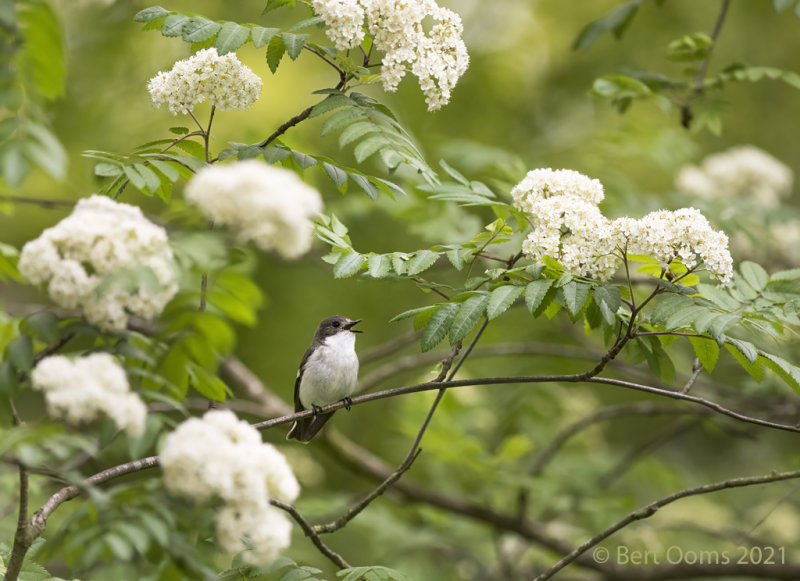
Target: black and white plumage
{"x": 327, "y": 374}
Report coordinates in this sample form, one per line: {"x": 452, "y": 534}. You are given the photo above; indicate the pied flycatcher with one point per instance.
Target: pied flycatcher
{"x": 327, "y": 374}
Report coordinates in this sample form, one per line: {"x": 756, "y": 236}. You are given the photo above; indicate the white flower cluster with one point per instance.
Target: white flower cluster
{"x": 223, "y": 80}
{"x": 740, "y": 172}
{"x": 438, "y": 58}
{"x": 80, "y": 257}
{"x": 80, "y": 390}
{"x": 267, "y": 205}
{"x": 561, "y": 206}
{"x": 221, "y": 456}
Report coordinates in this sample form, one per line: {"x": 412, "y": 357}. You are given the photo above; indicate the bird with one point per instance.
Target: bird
{"x": 328, "y": 373}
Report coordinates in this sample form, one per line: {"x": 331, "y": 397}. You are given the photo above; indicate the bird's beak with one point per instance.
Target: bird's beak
{"x": 349, "y": 326}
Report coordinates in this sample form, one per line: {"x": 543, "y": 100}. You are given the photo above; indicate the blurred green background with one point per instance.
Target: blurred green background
{"x": 522, "y": 104}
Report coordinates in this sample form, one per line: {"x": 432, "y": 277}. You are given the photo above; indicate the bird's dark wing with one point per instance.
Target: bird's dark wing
{"x": 298, "y": 406}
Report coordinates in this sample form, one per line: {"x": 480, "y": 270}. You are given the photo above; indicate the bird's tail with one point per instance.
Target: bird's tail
{"x": 304, "y": 430}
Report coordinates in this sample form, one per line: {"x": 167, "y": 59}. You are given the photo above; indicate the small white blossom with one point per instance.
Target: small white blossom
{"x": 268, "y": 530}
{"x": 83, "y": 389}
{"x": 345, "y": 20}
{"x": 222, "y": 80}
{"x": 740, "y": 172}
{"x": 221, "y": 456}
{"x": 80, "y": 257}
{"x": 684, "y": 235}
{"x": 267, "y": 205}
{"x": 438, "y": 58}
{"x": 567, "y": 225}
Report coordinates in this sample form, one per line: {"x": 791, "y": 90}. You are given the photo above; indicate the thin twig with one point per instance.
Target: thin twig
{"x": 697, "y": 88}
{"x": 650, "y": 509}
{"x": 310, "y": 532}
{"x": 48, "y": 203}
{"x": 697, "y": 369}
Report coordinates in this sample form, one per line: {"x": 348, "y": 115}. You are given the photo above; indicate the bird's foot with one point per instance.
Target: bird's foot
{"x": 315, "y": 409}
{"x": 347, "y": 403}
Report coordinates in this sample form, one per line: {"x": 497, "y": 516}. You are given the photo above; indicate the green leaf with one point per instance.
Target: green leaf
{"x": 261, "y": 36}
{"x": 167, "y": 169}
{"x": 535, "y": 293}
{"x": 294, "y": 44}
{"x": 575, "y": 296}
{"x": 754, "y": 368}
{"x": 42, "y": 51}
{"x": 348, "y": 265}
{"x": 468, "y": 315}
{"x": 754, "y": 274}
{"x": 44, "y": 325}
{"x": 706, "y": 350}
{"x": 20, "y": 353}
{"x": 412, "y": 313}
{"x": 369, "y": 147}
{"x": 371, "y": 573}
{"x": 616, "y": 21}
{"x": 338, "y": 175}
{"x": 437, "y": 326}
{"x": 330, "y": 103}
{"x": 501, "y": 299}
{"x": 151, "y": 179}
{"x": 104, "y": 169}
{"x": 9, "y": 380}
{"x": 275, "y": 51}
{"x": 421, "y": 261}
{"x": 230, "y": 37}
{"x": 273, "y": 4}
{"x": 609, "y": 300}
{"x": 199, "y": 29}
{"x": 785, "y": 370}
{"x": 364, "y": 183}
{"x": 356, "y": 131}
{"x": 151, "y": 13}
{"x": 379, "y": 265}
{"x": 341, "y": 119}
{"x": 46, "y": 150}
{"x": 173, "y": 24}
{"x": 456, "y": 258}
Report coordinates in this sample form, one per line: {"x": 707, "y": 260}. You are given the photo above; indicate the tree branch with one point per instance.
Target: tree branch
{"x": 650, "y": 509}
{"x": 310, "y": 531}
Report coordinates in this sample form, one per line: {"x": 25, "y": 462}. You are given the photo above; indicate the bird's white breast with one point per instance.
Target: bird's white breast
{"x": 331, "y": 372}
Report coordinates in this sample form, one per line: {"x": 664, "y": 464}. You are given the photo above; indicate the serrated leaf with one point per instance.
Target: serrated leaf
{"x": 369, "y": 146}
{"x": 356, "y": 131}
{"x": 754, "y": 368}
{"x": 275, "y": 51}
{"x": 575, "y": 296}
{"x": 412, "y": 313}
{"x": 198, "y": 29}
{"x": 165, "y": 168}
{"x": 706, "y": 350}
{"x": 421, "y": 261}
{"x": 455, "y": 258}
{"x": 348, "y": 265}
{"x": 379, "y": 265}
{"x": 609, "y": 300}
{"x": 261, "y": 36}
{"x": 785, "y": 370}
{"x": 616, "y": 21}
{"x": 294, "y": 44}
{"x": 501, "y": 299}
{"x": 151, "y": 13}
{"x": 754, "y": 274}
{"x": 366, "y": 185}
{"x": 453, "y": 173}
{"x": 341, "y": 119}
{"x": 231, "y": 36}
{"x": 331, "y": 103}
{"x": 337, "y": 175}
{"x": 105, "y": 169}
{"x": 173, "y": 24}
{"x": 535, "y": 293}
{"x": 151, "y": 179}
{"x": 468, "y": 315}
{"x": 438, "y": 325}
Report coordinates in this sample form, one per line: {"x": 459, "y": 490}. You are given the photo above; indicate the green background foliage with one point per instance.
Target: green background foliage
{"x": 545, "y": 88}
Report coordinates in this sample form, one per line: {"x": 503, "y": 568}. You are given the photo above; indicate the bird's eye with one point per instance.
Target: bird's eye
{"x": 336, "y": 324}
